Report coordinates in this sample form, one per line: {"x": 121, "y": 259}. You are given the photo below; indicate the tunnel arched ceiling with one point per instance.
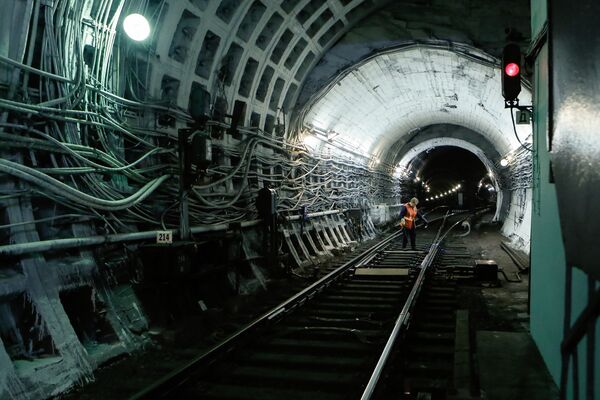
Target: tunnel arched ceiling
{"x": 484, "y": 24}
{"x": 377, "y": 102}
{"x": 439, "y": 142}
{"x": 256, "y": 52}
{"x": 440, "y": 133}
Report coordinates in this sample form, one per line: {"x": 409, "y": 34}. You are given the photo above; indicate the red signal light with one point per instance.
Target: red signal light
{"x": 511, "y": 69}
{"x": 511, "y": 72}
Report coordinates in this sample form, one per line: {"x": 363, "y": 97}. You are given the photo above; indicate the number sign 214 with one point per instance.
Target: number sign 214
{"x": 164, "y": 237}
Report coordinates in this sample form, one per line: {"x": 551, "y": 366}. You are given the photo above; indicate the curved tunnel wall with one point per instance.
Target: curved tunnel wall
{"x": 392, "y": 94}
{"x": 402, "y": 22}
{"x": 404, "y": 144}
{"x": 502, "y": 203}
{"x": 105, "y": 91}
{"x": 258, "y": 52}
{"x": 513, "y": 186}
{"x": 381, "y": 107}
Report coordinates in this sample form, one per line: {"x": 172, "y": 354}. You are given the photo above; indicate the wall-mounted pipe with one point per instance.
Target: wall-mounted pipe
{"x": 314, "y": 215}
{"x": 70, "y": 243}
{"x": 32, "y": 39}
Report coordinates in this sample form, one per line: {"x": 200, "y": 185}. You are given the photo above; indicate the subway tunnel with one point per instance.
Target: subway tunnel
{"x": 179, "y": 178}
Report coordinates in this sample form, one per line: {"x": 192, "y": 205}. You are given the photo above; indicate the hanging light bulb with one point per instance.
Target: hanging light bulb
{"x": 136, "y": 27}
{"x": 311, "y": 141}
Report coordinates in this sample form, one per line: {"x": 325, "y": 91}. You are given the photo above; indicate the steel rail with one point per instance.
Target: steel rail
{"x": 404, "y": 317}
{"x": 169, "y": 383}
{"x": 176, "y": 378}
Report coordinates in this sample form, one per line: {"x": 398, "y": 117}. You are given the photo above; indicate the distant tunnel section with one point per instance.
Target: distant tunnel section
{"x": 453, "y": 172}
{"x": 450, "y": 176}
{"x": 408, "y": 109}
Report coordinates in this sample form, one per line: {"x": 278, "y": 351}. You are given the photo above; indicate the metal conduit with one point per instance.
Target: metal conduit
{"x": 69, "y": 243}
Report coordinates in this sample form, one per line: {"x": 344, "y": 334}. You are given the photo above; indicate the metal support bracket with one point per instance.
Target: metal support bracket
{"x": 515, "y": 104}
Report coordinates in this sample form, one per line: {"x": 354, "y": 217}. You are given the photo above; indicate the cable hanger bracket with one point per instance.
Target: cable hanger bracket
{"x": 515, "y": 104}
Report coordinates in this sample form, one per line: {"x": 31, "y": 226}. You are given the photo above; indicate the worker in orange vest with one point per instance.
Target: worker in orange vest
{"x": 408, "y": 220}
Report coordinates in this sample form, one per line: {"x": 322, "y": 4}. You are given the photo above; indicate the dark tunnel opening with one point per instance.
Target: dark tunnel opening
{"x": 450, "y": 176}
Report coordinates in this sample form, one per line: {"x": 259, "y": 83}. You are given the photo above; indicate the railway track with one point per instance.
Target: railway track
{"x": 379, "y": 326}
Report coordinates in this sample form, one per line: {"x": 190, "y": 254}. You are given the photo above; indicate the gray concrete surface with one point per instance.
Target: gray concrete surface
{"x": 510, "y": 367}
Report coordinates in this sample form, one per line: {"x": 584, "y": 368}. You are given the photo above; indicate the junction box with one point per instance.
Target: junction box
{"x": 486, "y": 270}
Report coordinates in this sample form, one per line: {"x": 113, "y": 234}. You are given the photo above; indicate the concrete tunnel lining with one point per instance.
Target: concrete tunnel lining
{"x": 377, "y": 105}
{"x": 388, "y": 95}
{"x": 416, "y": 151}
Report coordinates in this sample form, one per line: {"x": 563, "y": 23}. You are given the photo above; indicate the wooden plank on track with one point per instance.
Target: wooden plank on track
{"x": 381, "y": 271}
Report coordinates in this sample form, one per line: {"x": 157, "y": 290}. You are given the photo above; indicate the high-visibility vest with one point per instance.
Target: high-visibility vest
{"x": 410, "y": 217}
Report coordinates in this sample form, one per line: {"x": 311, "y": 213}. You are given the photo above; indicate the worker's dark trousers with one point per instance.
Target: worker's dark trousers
{"x": 409, "y": 233}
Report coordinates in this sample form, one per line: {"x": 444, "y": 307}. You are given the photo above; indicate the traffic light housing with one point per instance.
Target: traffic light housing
{"x": 511, "y": 72}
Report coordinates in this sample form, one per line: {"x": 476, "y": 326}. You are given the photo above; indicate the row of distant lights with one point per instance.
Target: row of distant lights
{"x": 444, "y": 194}
{"x": 425, "y": 185}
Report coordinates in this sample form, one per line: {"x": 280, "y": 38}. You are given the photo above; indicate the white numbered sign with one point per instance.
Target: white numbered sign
{"x": 164, "y": 237}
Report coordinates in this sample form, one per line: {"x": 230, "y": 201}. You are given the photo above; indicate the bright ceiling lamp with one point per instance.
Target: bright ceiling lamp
{"x": 311, "y": 141}
{"x": 136, "y": 27}
{"x": 504, "y": 162}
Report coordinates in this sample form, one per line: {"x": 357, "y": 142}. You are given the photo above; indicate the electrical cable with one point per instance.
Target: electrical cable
{"x": 59, "y": 188}
{"x": 81, "y": 217}
{"x": 76, "y": 128}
